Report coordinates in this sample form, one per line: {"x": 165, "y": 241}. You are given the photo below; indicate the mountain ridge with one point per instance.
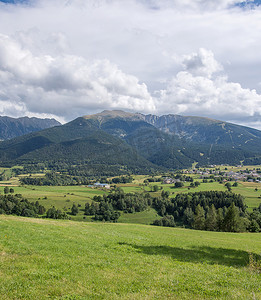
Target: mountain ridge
{"x": 13, "y": 127}
{"x": 139, "y": 143}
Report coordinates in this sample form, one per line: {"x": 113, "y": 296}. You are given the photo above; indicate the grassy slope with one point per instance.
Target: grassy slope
{"x": 144, "y": 217}
{"x": 42, "y": 259}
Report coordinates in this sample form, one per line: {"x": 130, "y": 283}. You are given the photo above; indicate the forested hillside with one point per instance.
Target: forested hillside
{"x": 117, "y": 142}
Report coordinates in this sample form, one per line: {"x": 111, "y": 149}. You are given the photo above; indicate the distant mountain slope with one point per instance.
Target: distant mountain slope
{"x": 12, "y": 127}
{"x": 116, "y": 142}
{"x": 174, "y": 140}
{"x": 75, "y": 142}
{"x": 205, "y": 130}
{"x": 156, "y": 146}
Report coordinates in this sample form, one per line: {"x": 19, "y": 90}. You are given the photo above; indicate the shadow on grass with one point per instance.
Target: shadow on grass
{"x": 200, "y": 254}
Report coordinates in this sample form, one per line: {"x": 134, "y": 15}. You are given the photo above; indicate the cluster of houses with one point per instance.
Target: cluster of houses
{"x": 242, "y": 175}
{"x": 170, "y": 181}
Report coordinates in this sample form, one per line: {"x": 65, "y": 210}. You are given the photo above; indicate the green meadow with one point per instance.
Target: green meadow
{"x": 47, "y": 259}
{"x": 59, "y": 196}
{"x": 63, "y": 197}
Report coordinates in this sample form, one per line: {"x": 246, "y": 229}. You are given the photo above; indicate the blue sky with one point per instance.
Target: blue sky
{"x": 66, "y": 58}
{"x": 251, "y": 3}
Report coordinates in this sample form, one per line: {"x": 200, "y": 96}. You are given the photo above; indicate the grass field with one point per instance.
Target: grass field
{"x": 44, "y": 259}
{"x": 144, "y": 217}
{"x": 63, "y": 197}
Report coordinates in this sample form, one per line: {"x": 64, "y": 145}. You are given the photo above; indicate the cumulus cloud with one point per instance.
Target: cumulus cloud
{"x": 202, "y": 63}
{"x": 72, "y": 57}
{"x": 65, "y": 85}
{"x": 198, "y": 91}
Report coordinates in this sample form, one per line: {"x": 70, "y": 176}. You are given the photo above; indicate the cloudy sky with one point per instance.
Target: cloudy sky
{"x": 68, "y": 58}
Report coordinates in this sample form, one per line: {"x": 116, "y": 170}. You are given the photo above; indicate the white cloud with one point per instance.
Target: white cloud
{"x": 157, "y": 4}
{"x": 66, "y": 85}
{"x": 72, "y": 57}
{"x": 195, "y": 92}
{"x": 202, "y": 63}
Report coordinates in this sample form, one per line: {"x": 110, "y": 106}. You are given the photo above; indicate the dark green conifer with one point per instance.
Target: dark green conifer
{"x": 211, "y": 219}
{"x": 199, "y": 218}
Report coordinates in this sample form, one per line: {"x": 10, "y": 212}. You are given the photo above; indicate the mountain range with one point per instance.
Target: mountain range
{"x": 136, "y": 142}
{"x": 13, "y": 127}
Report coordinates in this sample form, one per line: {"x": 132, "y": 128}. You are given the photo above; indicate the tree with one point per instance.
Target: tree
{"x": 167, "y": 220}
{"x": 232, "y": 221}
{"x": 75, "y": 210}
{"x": 11, "y": 190}
{"x": 228, "y": 186}
{"x": 254, "y": 227}
{"x": 211, "y": 219}
{"x": 165, "y": 194}
{"x": 199, "y": 218}
{"x": 220, "y": 218}
{"x": 188, "y": 216}
{"x": 179, "y": 184}
{"x": 155, "y": 188}
{"x": 6, "y": 190}
{"x": 51, "y": 213}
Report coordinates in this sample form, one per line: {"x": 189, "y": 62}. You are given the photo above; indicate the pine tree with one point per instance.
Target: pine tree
{"x": 75, "y": 210}
{"x": 199, "y": 218}
{"x": 188, "y": 216}
{"x": 211, "y": 219}
{"x": 232, "y": 221}
{"x": 220, "y": 219}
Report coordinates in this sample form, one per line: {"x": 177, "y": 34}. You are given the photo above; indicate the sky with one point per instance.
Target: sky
{"x": 69, "y": 58}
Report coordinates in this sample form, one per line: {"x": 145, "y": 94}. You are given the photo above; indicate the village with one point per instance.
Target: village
{"x": 225, "y": 174}
{"x": 250, "y": 175}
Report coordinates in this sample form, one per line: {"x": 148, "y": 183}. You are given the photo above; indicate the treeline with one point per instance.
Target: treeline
{"x": 181, "y": 202}
{"x": 11, "y": 204}
{"x": 79, "y": 168}
{"x": 54, "y": 179}
{"x": 107, "y": 207}
{"x": 210, "y": 210}
{"x": 19, "y": 206}
{"x": 57, "y": 179}
{"x": 121, "y": 179}
{"x": 53, "y": 213}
